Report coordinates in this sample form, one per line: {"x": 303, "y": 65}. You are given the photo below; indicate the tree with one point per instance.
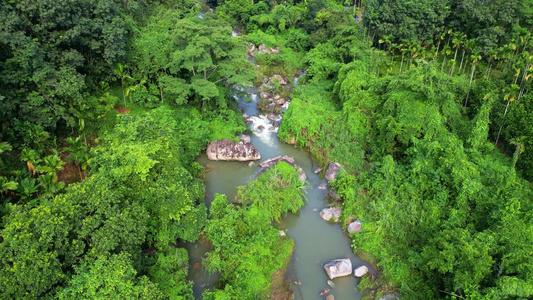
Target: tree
{"x": 192, "y": 57}
{"x": 78, "y": 153}
{"x": 418, "y": 21}
{"x": 49, "y": 50}
{"x": 112, "y": 277}
{"x": 92, "y": 219}
{"x": 5, "y": 183}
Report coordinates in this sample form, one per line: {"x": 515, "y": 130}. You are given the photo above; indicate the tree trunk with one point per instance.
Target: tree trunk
{"x": 470, "y": 84}
{"x": 503, "y": 121}
{"x": 437, "y": 53}
{"x": 523, "y": 83}
{"x": 462, "y": 58}
{"x": 401, "y": 64}
{"x": 452, "y": 69}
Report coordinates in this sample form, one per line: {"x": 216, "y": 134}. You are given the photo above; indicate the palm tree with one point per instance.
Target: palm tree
{"x": 27, "y": 188}
{"x": 52, "y": 163}
{"x": 119, "y": 71}
{"x": 525, "y": 77}
{"x": 509, "y": 97}
{"x": 32, "y": 158}
{"x": 4, "y": 146}
{"x": 6, "y": 185}
{"x": 79, "y": 154}
{"x": 50, "y": 184}
{"x": 475, "y": 58}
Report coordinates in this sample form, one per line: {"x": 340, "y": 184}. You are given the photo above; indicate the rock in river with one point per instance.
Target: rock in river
{"x": 245, "y": 138}
{"x": 331, "y": 284}
{"x": 331, "y": 213}
{"x": 338, "y": 268}
{"x": 269, "y": 163}
{"x": 324, "y": 291}
{"x": 355, "y": 226}
{"x": 230, "y": 150}
{"x": 331, "y": 172}
{"x": 360, "y": 272}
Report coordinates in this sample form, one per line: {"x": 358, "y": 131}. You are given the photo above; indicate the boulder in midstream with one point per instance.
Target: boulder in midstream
{"x": 338, "y": 268}
{"x": 331, "y": 213}
{"x": 229, "y": 150}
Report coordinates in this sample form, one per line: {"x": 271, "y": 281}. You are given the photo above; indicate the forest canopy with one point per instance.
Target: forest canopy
{"x": 106, "y": 104}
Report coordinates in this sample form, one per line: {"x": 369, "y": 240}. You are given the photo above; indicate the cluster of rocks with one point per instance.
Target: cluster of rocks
{"x": 339, "y": 268}
{"x": 334, "y": 213}
{"x": 343, "y": 267}
{"x": 261, "y": 49}
{"x": 331, "y": 214}
{"x": 273, "y": 100}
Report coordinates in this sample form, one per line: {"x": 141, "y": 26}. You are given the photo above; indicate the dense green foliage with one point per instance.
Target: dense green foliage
{"x": 141, "y": 193}
{"x": 248, "y": 249}
{"x": 444, "y": 213}
{"x": 184, "y": 59}
{"x": 425, "y": 103}
{"x": 51, "y": 54}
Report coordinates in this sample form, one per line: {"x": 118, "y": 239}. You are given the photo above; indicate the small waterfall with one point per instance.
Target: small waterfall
{"x": 263, "y": 128}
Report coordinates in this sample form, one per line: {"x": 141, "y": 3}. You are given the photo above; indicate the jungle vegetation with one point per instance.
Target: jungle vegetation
{"x": 105, "y": 104}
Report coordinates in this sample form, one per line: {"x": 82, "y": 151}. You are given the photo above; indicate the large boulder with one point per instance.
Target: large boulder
{"x": 360, "y": 271}
{"x": 269, "y": 163}
{"x": 230, "y": 150}
{"x": 355, "y": 226}
{"x": 332, "y": 171}
{"x": 331, "y": 213}
{"x": 338, "y": 268}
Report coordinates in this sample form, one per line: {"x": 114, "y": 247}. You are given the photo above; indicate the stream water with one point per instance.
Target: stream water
{"x": 316, "y": 241}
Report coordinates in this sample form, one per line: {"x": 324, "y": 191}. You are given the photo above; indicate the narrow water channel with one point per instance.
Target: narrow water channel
{"x": 316, "y": 241}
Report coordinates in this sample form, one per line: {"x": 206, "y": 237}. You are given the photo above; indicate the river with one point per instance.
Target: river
{"x": 316, "y": 241}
